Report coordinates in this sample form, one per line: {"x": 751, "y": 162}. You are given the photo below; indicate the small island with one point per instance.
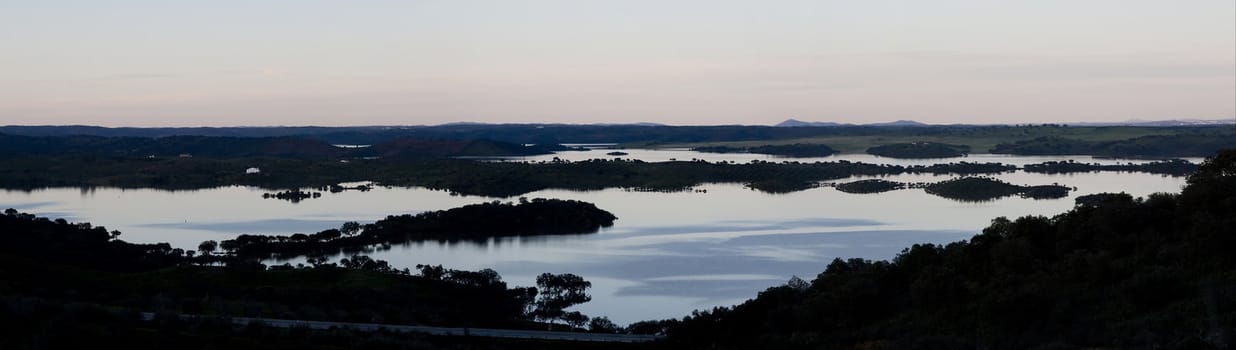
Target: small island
{"x": 340, "y": 188}
{"x": 1174, "y": 167}
{"x": 916, "y": 150}
{"x": 980, "y": 189}
{"x": 967, "y": 189}
{"x": 294, "y": 196}
{"x": 526, "y": 218}
{"x": 617, "y": 153}
{"x": 1096, "y": 199}
{"x": 870, "y": 186}
{"x": 798, "y": 150}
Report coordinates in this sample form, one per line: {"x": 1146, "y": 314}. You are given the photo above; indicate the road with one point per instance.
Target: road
{"x": 441, "y": 331}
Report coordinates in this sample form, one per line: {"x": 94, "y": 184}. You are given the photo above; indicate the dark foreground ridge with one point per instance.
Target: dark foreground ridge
{"x": 438, "y": 331}
{"x": 1114, "y": 272}
{"x": 73, "y": 285}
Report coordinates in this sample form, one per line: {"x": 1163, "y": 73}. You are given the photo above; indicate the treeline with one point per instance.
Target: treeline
{"x": 496, "y": 179}
{"x": 294, "y": 196}
{"x": 38, "y": 323}
{"x": 64, "y": 285}
{"x": 77, "y": 263}
{"x": 1174, "y": 167}
{"x": 870, "y": 186}
{"x": 969, "y": 189}
{"x": 471, "y": 222}
{"x": 80, "y": 244}
{"x": 919, "y": 150}
{"x": 801, "y": 150}
{"x": 1185, "y": 145}
{"x": 979, "y": 189}
{"x": 1121, "y": 272}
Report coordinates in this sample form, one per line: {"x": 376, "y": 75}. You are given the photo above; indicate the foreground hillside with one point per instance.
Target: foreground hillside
{"x": 74, "y": 285}
{"x": 1153, "y": 272}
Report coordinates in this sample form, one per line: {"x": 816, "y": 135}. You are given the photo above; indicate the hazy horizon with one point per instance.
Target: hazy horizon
{"x": 327, "y": 63}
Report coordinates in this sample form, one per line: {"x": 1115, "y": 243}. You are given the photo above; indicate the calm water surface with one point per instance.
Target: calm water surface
{"x": 667, "y": 254}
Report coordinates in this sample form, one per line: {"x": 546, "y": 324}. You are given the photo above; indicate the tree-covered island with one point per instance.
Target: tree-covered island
{"x": 467, "y": 223}
{"x": 969, "y": 189}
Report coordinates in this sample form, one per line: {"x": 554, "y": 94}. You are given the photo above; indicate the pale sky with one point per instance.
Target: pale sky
{"x": 406, "y": 62}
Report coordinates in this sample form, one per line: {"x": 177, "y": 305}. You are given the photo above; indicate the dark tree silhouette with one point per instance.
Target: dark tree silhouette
{"x": 207, "y": 247}
{"x": 575, "y": 319}
{"x": 350, "y": 228}
{"x": 558, "y": 292}
{"x": 602, "y": 324}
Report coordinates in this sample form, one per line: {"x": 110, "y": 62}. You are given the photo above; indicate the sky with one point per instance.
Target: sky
{"x": 687, "y": 62}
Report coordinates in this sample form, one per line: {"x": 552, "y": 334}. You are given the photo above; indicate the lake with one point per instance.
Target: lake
{"x": 666, "y": 255}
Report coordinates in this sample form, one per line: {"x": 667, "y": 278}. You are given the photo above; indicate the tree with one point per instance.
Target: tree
{"x": 350, "y": 228}
{"x": 575, "y": 319}
{"x": 525, "y": 297}
{"x": 602, "y": 324}
{"x": 207, "y": 247}
{"x": 558, "y": 292}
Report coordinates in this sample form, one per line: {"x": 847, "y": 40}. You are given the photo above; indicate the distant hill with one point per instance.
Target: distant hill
{"x": 799, "y": 123}
{"x": 899, "y": 123}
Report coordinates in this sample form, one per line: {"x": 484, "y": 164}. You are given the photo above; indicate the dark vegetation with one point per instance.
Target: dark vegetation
{"x": 870, "y": 186}
{"x": 496, "y": 179}
{"x": 969, "y": 189}
{"x": 416, "y": 147}
{"x": 67, "y": 285}
{"x": 56, "y": 260}
{"x": 1174, "y": 167}
{"x": 920, "y": 150}
{"x": 471, "y": 222}
{"x": 558, "y": 292}
{"x": 1114, "y": 272}
{"x": 1098, "y": 198}
{"x": 420, "y": 156}
{"x": 978, "y": 189}
{"x": 336, "y": 188}
{"x": 1146, "y": 146}
{"x": 800, "y": 150}
{"x": 294, "y": 196}
{"x": 33, "y": 323}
